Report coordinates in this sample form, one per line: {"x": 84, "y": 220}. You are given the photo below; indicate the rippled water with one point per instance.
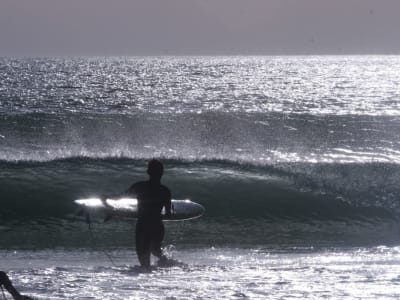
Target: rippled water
{"x": 364, "y": 85}
{"x": 212, "y": 273}
{"x": 296, "y": 160}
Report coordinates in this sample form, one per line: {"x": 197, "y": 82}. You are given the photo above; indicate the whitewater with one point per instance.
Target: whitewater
{"x": 296, "y": 160}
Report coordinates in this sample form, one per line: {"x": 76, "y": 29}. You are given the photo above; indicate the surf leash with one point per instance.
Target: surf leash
{"x": 93, "y": 240}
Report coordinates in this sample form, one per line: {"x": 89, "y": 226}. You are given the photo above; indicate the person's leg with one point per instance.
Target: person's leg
{"x": 142, "y": 245}
{"x": 156, "y": 242}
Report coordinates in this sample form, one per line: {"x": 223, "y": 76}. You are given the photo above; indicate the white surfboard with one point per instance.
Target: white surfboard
{"x": 128, "y": 207}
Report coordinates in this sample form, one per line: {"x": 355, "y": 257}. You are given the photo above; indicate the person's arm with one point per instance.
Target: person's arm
{"x": 127, "y": 193}
{"x": 131, "y": 192}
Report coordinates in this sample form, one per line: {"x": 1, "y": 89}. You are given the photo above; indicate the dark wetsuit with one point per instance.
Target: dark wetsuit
{"x": 152, "y": 197}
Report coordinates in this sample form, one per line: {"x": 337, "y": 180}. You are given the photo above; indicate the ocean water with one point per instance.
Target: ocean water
{"x": 296, "y": 160}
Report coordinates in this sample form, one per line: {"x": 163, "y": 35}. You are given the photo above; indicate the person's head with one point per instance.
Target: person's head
{"x": 155, "y": 169}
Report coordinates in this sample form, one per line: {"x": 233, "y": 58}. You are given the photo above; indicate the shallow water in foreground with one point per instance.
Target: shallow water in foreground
{"x": 210, "y": 273}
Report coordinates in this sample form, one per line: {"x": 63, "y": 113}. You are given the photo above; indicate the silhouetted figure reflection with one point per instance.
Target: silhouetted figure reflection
{"x": 152, "y": 197}
{"x": 6, "y": 283}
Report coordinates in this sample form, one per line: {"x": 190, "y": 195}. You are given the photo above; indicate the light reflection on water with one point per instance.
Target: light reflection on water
{"x": 318, "y": 85}
{"x": 212, "y": 273}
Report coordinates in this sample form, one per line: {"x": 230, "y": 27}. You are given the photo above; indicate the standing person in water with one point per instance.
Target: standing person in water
{"x": 152, "y": 197}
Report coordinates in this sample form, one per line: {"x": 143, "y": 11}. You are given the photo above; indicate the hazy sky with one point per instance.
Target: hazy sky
{"x": 140, "y": 27}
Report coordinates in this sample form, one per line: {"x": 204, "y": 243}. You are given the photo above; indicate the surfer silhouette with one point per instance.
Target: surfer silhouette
{"x": 152, "y": 198}
{"x": 6, "y": 283}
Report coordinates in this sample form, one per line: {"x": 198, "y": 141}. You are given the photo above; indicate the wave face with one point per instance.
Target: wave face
{"x": 278, "y": 150}
{"x": 291, "y": 204}
{"x": 319, "y": 191}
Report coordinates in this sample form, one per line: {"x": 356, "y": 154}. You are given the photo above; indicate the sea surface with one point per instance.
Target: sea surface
{"x": 296, "y": 160}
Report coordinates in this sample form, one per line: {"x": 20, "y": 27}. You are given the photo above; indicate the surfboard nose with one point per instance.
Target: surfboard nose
{"x": 200, "y": 208}
{"x": 188, "y": 209}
